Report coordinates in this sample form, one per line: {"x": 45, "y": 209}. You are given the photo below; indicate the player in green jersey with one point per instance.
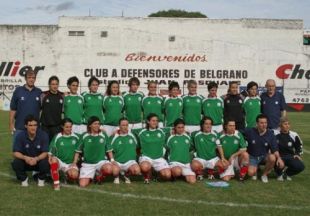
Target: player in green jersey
{"x": 61, "y": 153}
{"x": 113, "y": 104}
{"x": 235, "y": 151}
{"x": 251, "y": 105}
{"x": 94, "y": 146}
{"x": 173, "y": 105}
{"x": 93, "y": 101}
{"x": 206, "y": 145}
{"x": 124, "y": 145}
{"x": 213, "y": 107}
{"x": 133, "y": 104}
{"x": 179, "y": 146}
{"x": 192, "y": 107}
{"x": 153, "y": 103}
{"x": 74, "y": 106}
{"x": 151, "y": 143}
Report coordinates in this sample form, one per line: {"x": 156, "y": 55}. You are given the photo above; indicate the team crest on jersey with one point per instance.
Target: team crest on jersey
{"x": 89, "y": 140}
{"x": 38, "y": 146}
{"x": 208, "y": 104}
{"x": 187, "y": 100}
{"x": 235, "y": 141}
{"x": 37, "y": 98}
{"x": 101, "y": 140}
{"x": 170, "y": 104}
{"x": 198, "y": 101}
{"x": 147, "y": 135}
{"x": 266, "y": 144}
{"x": 149, "y": 102}
{"x": 276, "y": 102}
{"x": 69, "y": 101}
{"x": 120, "y": 142}
{"x": 158, "y": 102}
{"x": 62, "y": 143}
{"x": 47, "y": 100}
{"x": 79, "y": 101}
{"x": 22, "y": 98}
{"x": 186, "y": 141}
{"x": 130, "y": 141}
{"x": 224, "y": 141}
{"x": 27, "y": 146}
{"x": 213, "y": 139}
{"x": 253, "y": 141}
{"x": 180, "y": 104}
{"x": 60, "y": 101}
{"x": 139, "y": 98}
{"x": 228, "y": 101}
{"x": 99, "y": 97}
{"x": 290, "y": 144}
{"x": 73, "y": 142}
{"x": 251, "y": 103}
{"x": 129, "y": 99}
{"x": 201, "y": 140}
{"x": 218, "y": 104}
{"x": 88, "y": 98}
{"x": 159, "y": 135}
{"x": 240, "y": 101}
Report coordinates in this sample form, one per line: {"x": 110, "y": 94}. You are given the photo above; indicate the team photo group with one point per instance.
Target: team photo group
{"x": 90, "y": 136}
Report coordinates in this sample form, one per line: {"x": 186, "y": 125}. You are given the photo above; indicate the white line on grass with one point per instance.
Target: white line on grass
{"x": 306, "y": 151}
{"x": 184, "y": 201}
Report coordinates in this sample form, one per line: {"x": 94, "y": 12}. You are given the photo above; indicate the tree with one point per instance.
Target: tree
{"x": 178, "y": 14}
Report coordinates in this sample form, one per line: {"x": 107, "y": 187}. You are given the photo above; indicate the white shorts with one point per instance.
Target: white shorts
{"x": 135, "y": 126}
{"x": 210, "y": 164}
{"x": 125, "y": 166}
{"x": 186, "y": 168}
{"x": 89, "y": 170}
{"x": 79, "y": 129}
{"x": 230, "y": 169}
{"x": 192, "y": 128}
{"x": 158, "y": 164}
{"x": 65, "y": 167}
{"x": 217, "y": 128}
{"x": 109, "y": 129}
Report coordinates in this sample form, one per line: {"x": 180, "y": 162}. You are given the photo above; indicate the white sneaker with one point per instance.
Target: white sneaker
{"x": 264, "y": 178}
{"x": 41, "y": 183}
{"x": 116, "y": 180}
{"x": 288, "y": 178}
{"x": 200, "y": 177}
{"x": 280, "y": 178}
{"x": 25, "y": 183}
{"x": 254, "y": 177}
{"x": 127, "y": 180}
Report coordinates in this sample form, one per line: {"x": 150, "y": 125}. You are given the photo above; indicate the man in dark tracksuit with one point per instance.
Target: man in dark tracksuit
{"x": 290, "y": 149}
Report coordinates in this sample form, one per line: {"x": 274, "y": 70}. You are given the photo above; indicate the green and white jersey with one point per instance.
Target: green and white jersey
{"x": 179, "y": 147}
{"x": 232, "y": 143}
{"x": 173, "y": 107}
{"x": 192, "y": 109}
{"x": 152, "y": 142}
{"x": 113, "y": 107}
{"x": 74, "y": 108}
{"x": 124, "y": 147}
{"x": 153, "y": 104}
{"x": 205, "y": 144}
{"x": 63, "y": 147}
{"x": 93, "y": 106}
{"x": 252, "y": 108}
{"x": 213, "y": 108}
{"x": 94, "y": 147}
{"x": 133, "y": 106}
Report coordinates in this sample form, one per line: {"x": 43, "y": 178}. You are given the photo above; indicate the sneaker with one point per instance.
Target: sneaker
{"x": 146, "y": 181}
{"x": 56, "y": 187}
{"x": 25, "y": 183}
{"x": 116, "y": 180}
{"x": 211, "y": 177}
{"x": 127, "y": 180}
{"x": 264, "y": 178}
{"x": 254, "y": 177}
{"x": 241, "y": 178}
{"x": 280, "y": 178}
{"x": 200, "y": 177}
{"x": 288, "y": 178}
{"x": 41, "y": 183}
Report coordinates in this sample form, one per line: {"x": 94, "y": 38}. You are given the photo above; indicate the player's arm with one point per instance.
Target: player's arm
{"x": 298, "y": 147}
{"x": 11, "y": 123}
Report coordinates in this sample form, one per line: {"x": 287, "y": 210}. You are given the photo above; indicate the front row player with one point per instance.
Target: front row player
{"x": 94, "y": 145}
{"x": 61, "y": 154}
{"x": 205, "y": 145}
{"x": 152, "y": 141}
{"x": 124, "y": 145}
{"x": 235, "y": 151}
{"x": 179, "y": 145}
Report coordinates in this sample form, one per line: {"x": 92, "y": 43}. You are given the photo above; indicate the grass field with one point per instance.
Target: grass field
{"x": 158, "y": 198}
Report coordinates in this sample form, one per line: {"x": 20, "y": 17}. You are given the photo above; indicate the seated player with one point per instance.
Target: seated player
{"x": 61, "y": 154}
{"x": 205, "y": 145}
{"x": 124, "y": 145}
{"x": 178, "y": 146}
{"x": 234, "y": 147}
{"x": 262, "y": 148}
{"x": 290, "y": 149}
{"x": 94, "y": 145}
{"x": 151, "y": 142}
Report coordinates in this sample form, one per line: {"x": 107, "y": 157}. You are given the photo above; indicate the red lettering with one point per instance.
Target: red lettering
{"x": 280, "y": 72}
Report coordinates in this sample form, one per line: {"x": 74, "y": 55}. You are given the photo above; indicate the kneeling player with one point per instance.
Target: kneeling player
{"x": 94, "y": 145}
{"x": 152, "y": 141}
{"x": 234, "y": 147}
{"x": 61, "y": 154}
{"x": 205, "y": 145}
{"x": 124, "y": 146}
{"x": 179, "y": 145}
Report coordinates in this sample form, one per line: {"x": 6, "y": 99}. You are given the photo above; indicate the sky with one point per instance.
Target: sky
{"x": 48, "y": 11}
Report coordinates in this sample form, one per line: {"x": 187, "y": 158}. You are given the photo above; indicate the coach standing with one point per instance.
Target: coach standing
{"x": 25, "y": 101}
{"x": 30, "y": 152}
{"x": 273, "y": 104}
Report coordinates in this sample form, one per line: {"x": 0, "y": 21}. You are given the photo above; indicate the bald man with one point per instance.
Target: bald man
{"x": 273, "y": 104}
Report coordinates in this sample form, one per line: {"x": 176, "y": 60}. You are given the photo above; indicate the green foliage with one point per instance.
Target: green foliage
{"x": 178, "y": 14}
